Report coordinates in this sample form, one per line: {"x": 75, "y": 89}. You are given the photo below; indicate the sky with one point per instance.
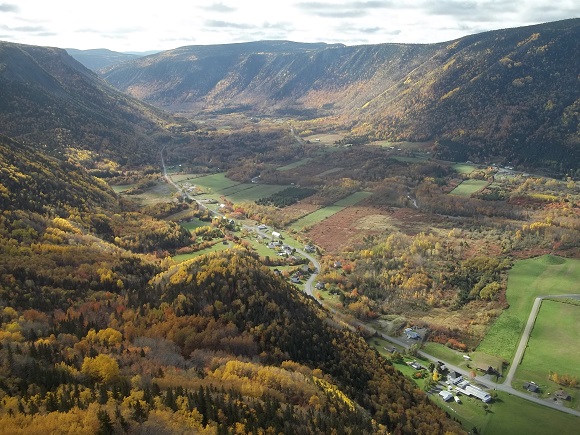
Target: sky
{"x": 145, "y": 25}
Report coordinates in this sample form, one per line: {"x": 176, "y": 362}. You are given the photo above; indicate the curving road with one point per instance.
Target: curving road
{"x": 486, "y": 383}
{"x": 506, "y": 385}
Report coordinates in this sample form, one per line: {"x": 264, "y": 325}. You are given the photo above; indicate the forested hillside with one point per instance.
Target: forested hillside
{"x": 100, "y": 335}
{"x": 508, "y": 94}
{"x": 53, "y": 102}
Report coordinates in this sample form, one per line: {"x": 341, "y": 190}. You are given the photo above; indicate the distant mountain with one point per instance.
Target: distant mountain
{"x": 99, "y": 58}
{"x": 51, "y": 100}
{"x": 511, "y": 94}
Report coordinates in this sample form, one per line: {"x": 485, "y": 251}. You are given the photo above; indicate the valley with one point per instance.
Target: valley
{"x": 348, "y": 224}
{"x": 277, "y": 237}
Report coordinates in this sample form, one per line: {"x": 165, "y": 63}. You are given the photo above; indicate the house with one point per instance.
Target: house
{"x": 295, "y": 280}
{"x": 262, "y": 227}
{"x": 470, "y": 390}
{"x": 562, "y": 395}
{"x": 337, "y": 264}
{"x": 454, "y": 378}
{"x": 412, "y": 334}
{"x": 319, "y": 285}
{"x": 276, "y": 234}
{"x": 309, "y": 248}
{"x": 532, "y": 387}
{"x": 484, "y": 368}
{"x": 416, "y": 365}
{"x": 446, "y": 395}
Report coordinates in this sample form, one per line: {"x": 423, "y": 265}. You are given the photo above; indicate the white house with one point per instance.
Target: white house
{"x": 446, "y": 395}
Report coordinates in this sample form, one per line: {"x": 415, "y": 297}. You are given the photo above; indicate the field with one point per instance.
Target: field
{"x": 512, "y": 415}
{"x": 193, "y": 224}
{"x": 215, "y": 182}
{"x": 463, "y": 168}
{"x": 216, "y": 185}
{"x": 468, "y": 187}
{"x": 553, "y": 344}
{"x": 219, "y": 246}
{"x": 323, "y": 213}
{"x": 254, "y": 192}
{"x": 294, "y": 164}
{"x": 160, "y": 192}
{"x": 528, "y": 279}
{"x": 122, "y": 187}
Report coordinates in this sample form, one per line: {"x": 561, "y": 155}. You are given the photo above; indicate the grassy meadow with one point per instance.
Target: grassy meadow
{"x": 325, "y": 212}
{"x": 294, "y": 165}
{"x": 528, "y": 279}
{"x": 464, "y": 168}
{"x": 468, "y": 187}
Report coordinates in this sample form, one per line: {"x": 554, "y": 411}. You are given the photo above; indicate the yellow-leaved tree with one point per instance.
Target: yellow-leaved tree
{"x": 102, "y": 368}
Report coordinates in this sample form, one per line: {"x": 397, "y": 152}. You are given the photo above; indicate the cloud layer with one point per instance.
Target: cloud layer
{"x": 147, "y": 25}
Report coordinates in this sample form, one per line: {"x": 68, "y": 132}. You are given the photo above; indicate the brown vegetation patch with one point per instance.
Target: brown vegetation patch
{"x": 347, "y": 226}
{"x": 298, "y": 210}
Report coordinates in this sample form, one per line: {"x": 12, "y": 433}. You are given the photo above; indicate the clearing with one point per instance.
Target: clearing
{"x": 553, "y": 345}
{"x": 468, "y": 187}
{"x": 528, "y": 279}
{"x": 325, "y": 212}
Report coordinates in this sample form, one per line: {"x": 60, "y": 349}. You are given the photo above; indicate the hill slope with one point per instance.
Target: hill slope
{"x": 99, "y": 338}
{"x": 511, "y": 93}
{"x": 49, "y": 98}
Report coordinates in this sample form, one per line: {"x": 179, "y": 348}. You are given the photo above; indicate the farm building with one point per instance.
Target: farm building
{"x": 532, "y": 387}
{"x": 454, "y": 378}
{"x": 446, "y": 395}
{"x": 412, "y": 334}
{"x": 562, "y": 395}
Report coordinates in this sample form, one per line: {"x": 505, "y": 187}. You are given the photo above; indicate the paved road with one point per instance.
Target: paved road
{"x": 528, "y": 330}
{"x": 488, "y": 383}
{"x": 179, "y": 189}
{"x": 484, "y": 382}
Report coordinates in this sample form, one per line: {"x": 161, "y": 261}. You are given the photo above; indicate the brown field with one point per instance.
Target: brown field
{"x": 296, "y": 211}
{"x": 348, "y": 226}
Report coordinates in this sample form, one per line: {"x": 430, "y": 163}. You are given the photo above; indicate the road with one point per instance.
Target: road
{"x": 179, "y": 189}
{"x": 528, "y": 330}
{"x": 486, "y": 383}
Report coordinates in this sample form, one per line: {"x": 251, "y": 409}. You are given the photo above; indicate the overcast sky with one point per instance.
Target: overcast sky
{"x": 123, "y": 25}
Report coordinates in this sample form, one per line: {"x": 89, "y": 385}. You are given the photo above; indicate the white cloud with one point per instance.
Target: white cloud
{"x": 148, "y": 25}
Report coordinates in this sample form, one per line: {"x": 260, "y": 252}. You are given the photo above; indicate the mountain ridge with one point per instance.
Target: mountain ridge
{"x": 498, "y": 93}
{"x": 50, "y": 99}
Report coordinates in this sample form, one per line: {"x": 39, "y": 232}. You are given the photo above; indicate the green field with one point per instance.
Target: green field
{"x": 353, "y": 199}
{"x": 506, "y": 414}
{"x": 528, "y": 279}
{"x": 468, "y": 187}
{"x": 122, "y": 187}
{"x": 409, "y": 159}
{"x": 463, "y": 168}
{"x": 323, "y": 213}
{"x": 194, "y": 223}
{"x": 255, "y": 192}
{"x": 444, "y": 353}
{"x": 512, "y": 415}
{"x": 219, "y": 246}
{"x": 553, "y": 344}
{"x": 216, "y": 185}
{"x": 215, "y": 182}
{"x": 294, "y": 164}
